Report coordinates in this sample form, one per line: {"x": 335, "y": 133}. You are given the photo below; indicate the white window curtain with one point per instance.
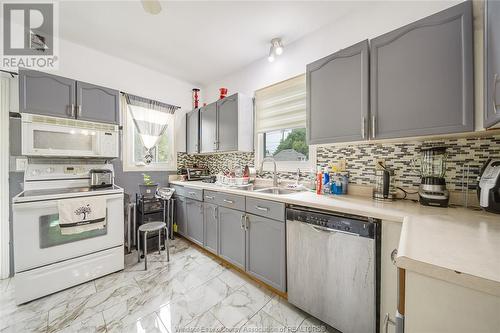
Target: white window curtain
{"x": 151, "y": 119}
{"x": 282, "y": 105}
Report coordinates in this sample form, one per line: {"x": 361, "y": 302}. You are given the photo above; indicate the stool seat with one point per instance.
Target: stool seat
{"x": 152, "y": 226}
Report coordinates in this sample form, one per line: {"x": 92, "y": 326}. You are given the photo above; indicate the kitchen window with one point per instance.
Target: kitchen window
{"x": 280, "y": 112}
{"x": 162, "y": 156}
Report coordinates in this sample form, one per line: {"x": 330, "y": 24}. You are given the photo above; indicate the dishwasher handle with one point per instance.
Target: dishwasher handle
{"x": 318, "y": 228}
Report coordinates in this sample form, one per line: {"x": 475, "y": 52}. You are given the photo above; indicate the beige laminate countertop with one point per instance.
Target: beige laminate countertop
{"x": 458, "y": 245}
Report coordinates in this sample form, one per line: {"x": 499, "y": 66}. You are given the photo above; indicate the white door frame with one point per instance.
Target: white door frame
{"x": 4, "y": 175}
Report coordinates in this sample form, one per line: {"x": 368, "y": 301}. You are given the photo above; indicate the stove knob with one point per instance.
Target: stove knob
{"x": 35, "y": 172}
{"x": 49, "y": 170}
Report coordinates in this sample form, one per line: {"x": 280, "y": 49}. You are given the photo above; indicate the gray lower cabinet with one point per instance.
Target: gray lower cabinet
{"x": 227, "y": 123}
{"x": 337, "y": 96}
{"x": 421, "y": 77}
{"x": 193, "y": 131}
{"x": 97, "y": 103}
{"x": 180, "y": 215}
{"x": 208, "y": 130}
{"x": 232, "y": 236}
{"x": 266, "y": 250}
{"x": 492, "y": 63}
{"x": 194, "y": 217}
{"x": 210, "y": 226}
{"x": 46, "y": 94}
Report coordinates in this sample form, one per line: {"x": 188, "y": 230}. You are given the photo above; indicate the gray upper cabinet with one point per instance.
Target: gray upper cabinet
{"x": 57, "y": 96}
{"x": 337, "y": 96}
{"x": 180, "y": 215}
{"x": 194, "y": 213}
{"x": 46, "y": 94}
{"x": 266, "y": 250}
{"x": 228, "y": 123}
{"x": 210, "y": 226}
{"x": 232, "y": 236}
{"x": 97, "y": 103}
{"x": 421, "y": 77}
{"x": 208, "y": 130}
{"x": 492, "y": 63}
{"x": 193, "y": 131}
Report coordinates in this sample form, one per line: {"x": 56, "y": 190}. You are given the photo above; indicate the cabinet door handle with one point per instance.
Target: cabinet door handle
{"x": 228, "y": 201}
{"x": 387, "y": 321}
{"x": 247, "y": 222}
{"x": 495, "y": 79}
{"x": 79, "y": 111}
{"x": 72, "y": 110}
{"x": 215, "y": 213}
{"x": 363, "y": 127}
{"x": 394, "y": 253}
{"x": 242, "y": 219}
{"x": 209, "y": 197}
{"x": 374, "y": 126}
{"x": 264, "y": 209}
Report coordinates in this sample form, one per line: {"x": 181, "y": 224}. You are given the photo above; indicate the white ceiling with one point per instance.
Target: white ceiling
{"x": 194, "y": 41}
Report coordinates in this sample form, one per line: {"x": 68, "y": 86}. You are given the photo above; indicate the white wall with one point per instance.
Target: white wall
{"x": 374, "y": 19}
{"x": 86, "y": 64}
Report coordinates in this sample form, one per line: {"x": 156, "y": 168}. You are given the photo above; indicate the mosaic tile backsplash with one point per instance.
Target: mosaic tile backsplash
{"x": 463, "y": 153}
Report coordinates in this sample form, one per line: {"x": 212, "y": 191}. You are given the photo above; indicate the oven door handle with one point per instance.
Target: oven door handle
{"x": 51, "y": 203}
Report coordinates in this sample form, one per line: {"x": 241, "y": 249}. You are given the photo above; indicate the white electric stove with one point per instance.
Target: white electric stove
{"x": 47, "y": 261}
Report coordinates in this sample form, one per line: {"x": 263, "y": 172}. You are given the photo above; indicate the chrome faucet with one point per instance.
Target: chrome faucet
{"x": 275, "y": 174}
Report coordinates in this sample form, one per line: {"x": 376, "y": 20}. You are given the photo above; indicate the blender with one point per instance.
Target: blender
{"x": 432, "y": 190}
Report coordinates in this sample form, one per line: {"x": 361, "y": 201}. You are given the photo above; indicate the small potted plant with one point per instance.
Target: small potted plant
{"x": 148, "y": 188}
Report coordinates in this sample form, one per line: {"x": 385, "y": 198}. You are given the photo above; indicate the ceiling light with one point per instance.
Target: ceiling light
{"x": 271, "y": 55}
{"x": 152, "y": 7}
{"x": 276, "y": 49}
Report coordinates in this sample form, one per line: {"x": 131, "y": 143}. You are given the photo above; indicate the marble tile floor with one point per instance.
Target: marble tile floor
{"x": 192, "y": 293}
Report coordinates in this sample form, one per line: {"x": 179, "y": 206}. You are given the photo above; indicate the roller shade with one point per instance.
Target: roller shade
{"x": 282, "y": 105}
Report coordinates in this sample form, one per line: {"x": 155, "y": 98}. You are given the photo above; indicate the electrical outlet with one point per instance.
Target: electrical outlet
{"x": 379, "y": 163}
{"x": 21, "y": 164}
{"x": 342, "y": 165}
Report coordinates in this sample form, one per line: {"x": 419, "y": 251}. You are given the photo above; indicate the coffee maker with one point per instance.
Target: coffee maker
{"x": 432, "y": 190}
{"x": 489, "y": 186}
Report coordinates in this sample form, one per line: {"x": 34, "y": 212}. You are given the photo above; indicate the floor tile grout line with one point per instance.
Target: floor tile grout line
{"x": 269, "y": 300}
{"x": 161, "y": 320}
{"x": 279, "y": 321}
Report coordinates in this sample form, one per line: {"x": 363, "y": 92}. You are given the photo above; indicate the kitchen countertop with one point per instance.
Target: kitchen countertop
{"x": 457, "y": 245}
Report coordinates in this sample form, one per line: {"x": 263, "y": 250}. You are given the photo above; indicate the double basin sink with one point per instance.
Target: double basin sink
{"x": 274, "y": 190}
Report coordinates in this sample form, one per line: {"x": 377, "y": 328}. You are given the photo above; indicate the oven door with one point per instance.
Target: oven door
{"x": 54, "y": 140}
{"x": 38, "y": 240}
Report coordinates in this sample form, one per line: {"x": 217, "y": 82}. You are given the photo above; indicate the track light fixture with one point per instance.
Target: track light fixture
{"x": 276, "y": 49}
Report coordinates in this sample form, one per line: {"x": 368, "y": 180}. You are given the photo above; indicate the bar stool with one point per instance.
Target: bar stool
{"x": 151, "y": 227}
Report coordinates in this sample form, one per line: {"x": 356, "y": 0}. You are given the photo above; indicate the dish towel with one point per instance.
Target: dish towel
{"x": 81, "y": 214}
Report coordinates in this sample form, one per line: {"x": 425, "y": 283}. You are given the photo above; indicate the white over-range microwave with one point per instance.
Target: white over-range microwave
{"x": 50, "y": 136}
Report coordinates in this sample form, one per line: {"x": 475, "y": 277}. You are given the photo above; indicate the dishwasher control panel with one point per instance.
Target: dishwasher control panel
{"x": 359, "y": 226}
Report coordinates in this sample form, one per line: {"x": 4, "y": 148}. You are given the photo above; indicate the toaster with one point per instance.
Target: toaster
{"x": 489, "y": 186}
{"x": 100, "y": 178}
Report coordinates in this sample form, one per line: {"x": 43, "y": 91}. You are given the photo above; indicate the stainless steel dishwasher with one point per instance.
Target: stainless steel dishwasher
{"x": 333, "y": 268}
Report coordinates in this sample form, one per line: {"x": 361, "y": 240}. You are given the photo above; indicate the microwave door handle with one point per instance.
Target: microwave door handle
{"x": 97, "y": 143}
{"x": 71, "y": 110}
